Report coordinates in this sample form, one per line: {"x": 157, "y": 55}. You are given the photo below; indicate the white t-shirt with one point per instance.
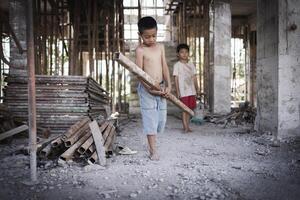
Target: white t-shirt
{"x": 185, "y": 73}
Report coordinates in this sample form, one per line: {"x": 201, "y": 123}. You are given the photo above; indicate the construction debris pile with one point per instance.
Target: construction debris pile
{"x": 60, "y": 100}
{"x": 242, "y": 115}
{"x": 79, "y": 143}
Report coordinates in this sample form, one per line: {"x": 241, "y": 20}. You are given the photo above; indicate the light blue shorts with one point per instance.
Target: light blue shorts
{"x": 153, "y": 110}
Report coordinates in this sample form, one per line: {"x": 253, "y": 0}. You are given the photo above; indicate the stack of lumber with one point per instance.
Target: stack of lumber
{"x": 78, "y": 141}
{"x": 60, "y": 100}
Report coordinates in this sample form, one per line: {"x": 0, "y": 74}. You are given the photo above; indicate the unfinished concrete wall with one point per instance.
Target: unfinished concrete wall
{"x": 267, "y": 65}
{"x": 278, "y": 50}
{"x": 17, "y": 21}
{"x": 289, "y": 68}
{"x": 222, "y": 57}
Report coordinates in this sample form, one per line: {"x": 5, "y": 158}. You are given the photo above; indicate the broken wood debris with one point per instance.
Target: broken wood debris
{"x": 83, "y": 142}
{"x": 239, "y": 116}
{"x": 13, "y": 132}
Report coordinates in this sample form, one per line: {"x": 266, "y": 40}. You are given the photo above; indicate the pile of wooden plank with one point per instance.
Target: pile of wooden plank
{"x": 60, "y": 100}
{"x": 79, "y": 141}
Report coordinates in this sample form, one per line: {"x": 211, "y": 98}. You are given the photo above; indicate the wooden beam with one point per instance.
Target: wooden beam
{"x": 133, "y": 68}
{"x": 99, "y": 142}
{"x": 13, "y": 132}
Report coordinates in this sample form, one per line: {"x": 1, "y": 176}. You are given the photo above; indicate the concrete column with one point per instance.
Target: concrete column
{"x": 17, "y": 21}
{"x": 278, "y": 67}
{"x": 221, "y": 73}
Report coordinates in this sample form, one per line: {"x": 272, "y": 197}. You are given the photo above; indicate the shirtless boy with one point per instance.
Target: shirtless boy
{"x": 150, "y": 56}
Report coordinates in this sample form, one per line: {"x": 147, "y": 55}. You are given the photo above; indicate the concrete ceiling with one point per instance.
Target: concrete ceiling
{"x": 243, "y": 7}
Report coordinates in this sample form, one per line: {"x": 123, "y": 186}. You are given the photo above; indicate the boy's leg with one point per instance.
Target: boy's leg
{"x": 152, "y": 147}
{"x": 188, "y": 122}
{"x": 185, "y": 121}
{"x": 185, "y": 118}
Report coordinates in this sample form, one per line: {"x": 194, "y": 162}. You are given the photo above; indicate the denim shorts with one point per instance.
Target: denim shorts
{"x": 153, "y": 110}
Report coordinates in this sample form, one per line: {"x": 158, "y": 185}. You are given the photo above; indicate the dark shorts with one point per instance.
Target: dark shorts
{"x": 189, "y": 101}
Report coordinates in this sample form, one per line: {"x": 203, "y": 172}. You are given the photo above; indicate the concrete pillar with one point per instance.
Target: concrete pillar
{"x": 221, "y": 73}
{"x": 278, "y": 67}
{"x": 17, "y": 21}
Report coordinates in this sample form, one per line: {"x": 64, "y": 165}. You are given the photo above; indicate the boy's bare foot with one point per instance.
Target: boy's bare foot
{"x": 187, "y": 130}
{"x": 154, "y": 157}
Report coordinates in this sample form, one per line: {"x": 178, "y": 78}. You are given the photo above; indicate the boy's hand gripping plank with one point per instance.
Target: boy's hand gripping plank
{"x": 133, "y": 68}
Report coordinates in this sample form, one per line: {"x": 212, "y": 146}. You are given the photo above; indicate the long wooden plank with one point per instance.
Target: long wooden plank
{"x": 99, "y": 142}
{"x": 13, "y": 132}
{"x": 133, "y": 68}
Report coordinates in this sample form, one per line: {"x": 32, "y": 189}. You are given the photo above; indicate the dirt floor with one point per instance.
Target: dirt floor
{"x": 210, "y": 163}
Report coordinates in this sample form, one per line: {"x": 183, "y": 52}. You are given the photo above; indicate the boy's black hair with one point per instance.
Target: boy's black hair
{"x": 146, "y": 23}
{"x": 182, "y": 46}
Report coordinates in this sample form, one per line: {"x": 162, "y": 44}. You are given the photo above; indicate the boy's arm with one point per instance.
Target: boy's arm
{"x": 166, "y": 72}
{"x": 196, "y": 84}
{"x": 195, "y": 81}
{"x": 177, "y": 86}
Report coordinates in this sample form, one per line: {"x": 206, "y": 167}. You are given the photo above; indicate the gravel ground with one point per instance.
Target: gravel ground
{"x": 209, "y": 163}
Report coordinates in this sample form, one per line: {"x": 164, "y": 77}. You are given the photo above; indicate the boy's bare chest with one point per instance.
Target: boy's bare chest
{"x": 152, "y": 55}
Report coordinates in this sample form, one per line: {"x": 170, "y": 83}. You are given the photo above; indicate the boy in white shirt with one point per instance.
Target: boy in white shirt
{"x": 185, "y": 82}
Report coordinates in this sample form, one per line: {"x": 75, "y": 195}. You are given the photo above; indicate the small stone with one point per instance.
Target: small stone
{"x": 48, "y": 164}
{"x": 236, "y": 167}
{"x": 62, "y": 163}
{"x": 133, "y": 195}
